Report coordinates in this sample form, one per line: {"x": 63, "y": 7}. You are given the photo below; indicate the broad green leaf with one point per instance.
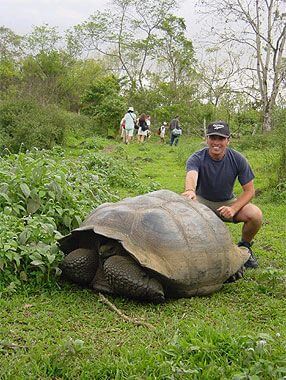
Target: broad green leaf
{"x": 51, "y": 258}
{"x": 34, "y": 194}
{"x": 37, "y": 262}
{"x": 17, "y": 258}
{"x": 9, "y": 254}
{"x": 33, "y": 206}
{"x": 48, "y": 228}
{"x": 54, "y": 249}
{"x": 4, "y": 188}
{"x": 24, "y": 236}
{"x": 7, "y": 210}
{"x": 36, "y": 256}
{"x": 25, "y": 189}
{"x": 58, "y": 235}
{"x": 67, "y": 221}
{"x": 59, "y": 210}
{"x": 5, "y": 196}
{"x": 42, "y": 193}
{"x": 37, "y": 172}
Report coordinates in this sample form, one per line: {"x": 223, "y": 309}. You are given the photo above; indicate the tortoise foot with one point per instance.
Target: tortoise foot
{"x": 127, "y": 278}
{"x": 80, "y": 266}
{"x": 236, "y": 276}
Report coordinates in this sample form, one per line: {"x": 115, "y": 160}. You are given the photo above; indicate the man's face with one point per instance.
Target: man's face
{"x": 217, "y": 146}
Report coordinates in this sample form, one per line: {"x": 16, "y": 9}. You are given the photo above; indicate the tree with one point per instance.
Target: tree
{"x": 102, "y": 101}
{"x": 218, "y": 76}
{"x": 175, "y": 52}
{"x": 45, "y": 65}
{"x": 10, "y": 54}
{"x": 125, "y": 34}
{"x": 77, "y": 80}
{"x": 258, "y": 30}
{"x": 43, "y": 39}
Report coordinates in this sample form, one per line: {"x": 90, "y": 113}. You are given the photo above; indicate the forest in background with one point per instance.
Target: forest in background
{"x": 140, "y": 55}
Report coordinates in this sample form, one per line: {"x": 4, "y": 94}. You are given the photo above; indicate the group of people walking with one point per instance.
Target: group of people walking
{"x": 130, "y": 125}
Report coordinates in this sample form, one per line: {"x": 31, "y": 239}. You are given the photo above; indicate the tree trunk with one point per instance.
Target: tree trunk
{"x": 267, "y": 124}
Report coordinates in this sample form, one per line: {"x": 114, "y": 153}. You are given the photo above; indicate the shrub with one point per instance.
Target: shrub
{"x": 26, "y": 124}
{"x": 44, "y": 195}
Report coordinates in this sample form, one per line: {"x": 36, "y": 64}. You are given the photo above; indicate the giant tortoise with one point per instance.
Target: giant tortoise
{"x": 151, "y": 247}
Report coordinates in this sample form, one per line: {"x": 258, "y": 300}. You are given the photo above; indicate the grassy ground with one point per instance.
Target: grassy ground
{"x": 237, "y": 333}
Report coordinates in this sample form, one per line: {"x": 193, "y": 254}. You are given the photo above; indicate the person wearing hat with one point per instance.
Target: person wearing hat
{"x": 210, "y": 178}
{"x": 162, "y": 132}
{"x": 130, "y": 121}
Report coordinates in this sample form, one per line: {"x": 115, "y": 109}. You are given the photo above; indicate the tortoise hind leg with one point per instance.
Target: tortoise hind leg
{"x": 127, "y": 278}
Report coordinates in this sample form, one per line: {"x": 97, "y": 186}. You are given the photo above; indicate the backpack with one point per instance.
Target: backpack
{"x": 136, "y": 124}
{"x": 176, "y": 132}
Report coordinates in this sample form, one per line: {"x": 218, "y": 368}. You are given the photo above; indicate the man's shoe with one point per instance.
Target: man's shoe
{"x": 251, "y": 262}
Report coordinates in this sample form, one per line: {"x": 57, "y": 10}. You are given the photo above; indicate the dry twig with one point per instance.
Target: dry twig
{"x": 136, "y": 321}
{"x": 11, "y": 346}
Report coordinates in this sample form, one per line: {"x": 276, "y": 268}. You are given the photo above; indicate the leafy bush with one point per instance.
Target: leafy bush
{"x": 44, "y": 195}
{"x": 24, "y": 123}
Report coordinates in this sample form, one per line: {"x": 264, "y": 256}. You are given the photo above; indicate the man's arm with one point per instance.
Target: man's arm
{"x": 244, "y": 198}
{"x": 191, "y": 184}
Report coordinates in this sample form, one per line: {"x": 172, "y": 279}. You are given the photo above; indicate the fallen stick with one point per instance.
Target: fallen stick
{"x": 12, "y": 346}
{"x": 136, "y": 321}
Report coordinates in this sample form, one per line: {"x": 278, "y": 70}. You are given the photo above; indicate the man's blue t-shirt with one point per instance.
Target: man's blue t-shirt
{"x": 216, "y": 178}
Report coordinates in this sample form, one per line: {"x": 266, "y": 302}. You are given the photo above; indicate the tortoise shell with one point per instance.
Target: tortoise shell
{"x": 180, "y": 241}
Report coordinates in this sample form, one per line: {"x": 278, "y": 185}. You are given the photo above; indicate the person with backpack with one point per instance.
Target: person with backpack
{"x": 143, "y": 128}
{"x": 148, "y": 122}
{"x": 130, "y": 120}
{"x": 175, "y": 131}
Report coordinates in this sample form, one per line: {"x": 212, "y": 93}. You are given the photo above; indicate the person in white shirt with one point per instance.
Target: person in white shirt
{"x": 163, "y": 132}
{"x": 130, "y": 120}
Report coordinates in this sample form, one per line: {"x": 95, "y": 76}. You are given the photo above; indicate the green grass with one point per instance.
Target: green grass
{"x": 237, "y": 333}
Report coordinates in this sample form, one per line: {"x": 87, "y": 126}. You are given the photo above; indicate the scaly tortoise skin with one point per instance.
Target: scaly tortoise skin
{"x": 151, "y": 247}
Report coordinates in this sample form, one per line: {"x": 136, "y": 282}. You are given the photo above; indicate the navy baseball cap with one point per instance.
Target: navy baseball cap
{"x": 218, "y": 128}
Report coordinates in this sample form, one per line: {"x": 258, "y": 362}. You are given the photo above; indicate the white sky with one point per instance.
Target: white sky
{"x": 22, "y": 15}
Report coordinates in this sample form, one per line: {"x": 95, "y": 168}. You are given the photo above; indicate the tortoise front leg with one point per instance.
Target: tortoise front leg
{"x": 128, "y": 278}
{"x": 236, "y": 276}
{"x": 80, "y": 266}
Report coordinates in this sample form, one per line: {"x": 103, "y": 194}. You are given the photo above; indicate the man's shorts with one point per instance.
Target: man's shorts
{"x": 129, "y": 132}
{"x": 215, "y": 205}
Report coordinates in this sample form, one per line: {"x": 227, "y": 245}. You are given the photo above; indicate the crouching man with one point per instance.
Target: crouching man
{"x": 211, "y": 174}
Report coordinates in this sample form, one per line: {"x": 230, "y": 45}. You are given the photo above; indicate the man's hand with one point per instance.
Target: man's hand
{"x": 226, "y": 211}
{"x": 190, "y": 194}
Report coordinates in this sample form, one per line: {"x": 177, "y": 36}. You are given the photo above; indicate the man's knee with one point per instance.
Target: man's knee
{"x": 255, "y": 214}
{"x": 248, "y": 213}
